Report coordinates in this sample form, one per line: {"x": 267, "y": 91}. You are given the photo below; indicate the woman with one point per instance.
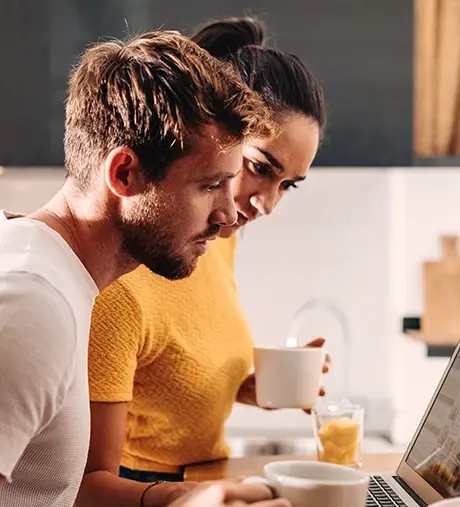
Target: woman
{"x": 167, "y": 360}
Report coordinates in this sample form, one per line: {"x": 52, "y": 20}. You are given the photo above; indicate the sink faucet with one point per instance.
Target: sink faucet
{"x": 299, "y": 320}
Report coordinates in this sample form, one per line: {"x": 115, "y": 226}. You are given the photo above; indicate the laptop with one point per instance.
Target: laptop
{"x": 430, "y": 468}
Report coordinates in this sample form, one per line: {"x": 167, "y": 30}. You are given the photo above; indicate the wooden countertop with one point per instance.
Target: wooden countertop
{"x": 372, "y": 463}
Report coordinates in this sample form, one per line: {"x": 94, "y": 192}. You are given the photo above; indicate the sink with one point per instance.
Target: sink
{"x": 265, "y": 446}
{"x": 242, "y": 446}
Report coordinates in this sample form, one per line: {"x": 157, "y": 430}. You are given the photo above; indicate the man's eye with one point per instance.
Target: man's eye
{"x": 214, "y": 186}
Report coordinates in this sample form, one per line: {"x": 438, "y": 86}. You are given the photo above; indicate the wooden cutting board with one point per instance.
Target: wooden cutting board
{"x": 441, "y": 286}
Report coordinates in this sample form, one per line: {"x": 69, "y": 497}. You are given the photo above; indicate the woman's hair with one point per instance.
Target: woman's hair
{"x": 281, "y": 79}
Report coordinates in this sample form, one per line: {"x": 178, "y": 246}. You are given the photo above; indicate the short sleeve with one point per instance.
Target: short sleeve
{"x": 37, "y": 354}
{"x": 114, "y": 344}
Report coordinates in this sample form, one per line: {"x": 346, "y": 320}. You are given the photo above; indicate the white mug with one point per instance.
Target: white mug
{"x": 288, "y": 377}
{"x": 310, "y": 483}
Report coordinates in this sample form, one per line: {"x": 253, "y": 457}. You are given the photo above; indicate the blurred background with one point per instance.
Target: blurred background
{"x": 349, "y": 248}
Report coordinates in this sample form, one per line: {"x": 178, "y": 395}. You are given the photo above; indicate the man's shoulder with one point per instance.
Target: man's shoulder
{"x": 30, "y": 247}
{"x": 36, "y": 319}
{"x": 32, "y": 297}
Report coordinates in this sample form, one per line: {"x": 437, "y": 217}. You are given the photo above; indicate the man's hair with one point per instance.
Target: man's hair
{"x": 152, "y": 94}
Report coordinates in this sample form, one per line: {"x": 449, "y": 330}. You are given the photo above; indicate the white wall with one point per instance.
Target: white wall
{"x": 428, "y": 205}
{"x": 354, "y": 236}
{"x": 330, "y": 240}
{"x": 23, "y": 190}
{"x": 357, "y": 237}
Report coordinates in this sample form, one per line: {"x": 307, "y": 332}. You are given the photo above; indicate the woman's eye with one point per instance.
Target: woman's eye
{"x": 289, "y": 184}
{"x": 260, "y": 168}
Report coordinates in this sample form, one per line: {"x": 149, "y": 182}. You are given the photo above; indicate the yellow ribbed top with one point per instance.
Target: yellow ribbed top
{"x": 177, "y": 351}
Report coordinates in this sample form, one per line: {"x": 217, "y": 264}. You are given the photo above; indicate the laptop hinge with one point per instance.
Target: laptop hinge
{"x": 409, "y": 491}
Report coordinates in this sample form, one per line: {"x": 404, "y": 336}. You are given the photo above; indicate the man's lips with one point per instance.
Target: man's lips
{"x": 205, "y": 240}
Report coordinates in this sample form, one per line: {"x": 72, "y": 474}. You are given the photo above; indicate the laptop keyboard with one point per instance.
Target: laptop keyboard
{"x": 382, "y": 495}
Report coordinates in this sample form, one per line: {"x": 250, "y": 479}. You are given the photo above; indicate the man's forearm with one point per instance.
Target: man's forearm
{"x": 104, "y": 489}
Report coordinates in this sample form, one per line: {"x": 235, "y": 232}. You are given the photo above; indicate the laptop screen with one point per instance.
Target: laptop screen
{"x": 435, "y": 454}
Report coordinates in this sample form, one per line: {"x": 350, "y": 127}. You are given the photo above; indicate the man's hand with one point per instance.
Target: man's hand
{"x": 230, "y": 494}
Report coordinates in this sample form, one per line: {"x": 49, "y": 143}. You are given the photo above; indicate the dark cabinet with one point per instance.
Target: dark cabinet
{"x": 361, "y": 50}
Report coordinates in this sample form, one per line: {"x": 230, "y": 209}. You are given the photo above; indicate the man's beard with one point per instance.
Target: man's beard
{"x": 148, "y": 238}
{"x": 152, "y": 247}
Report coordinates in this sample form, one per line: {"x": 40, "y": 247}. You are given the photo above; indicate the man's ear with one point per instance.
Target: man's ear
{"x": 123, "y": 172}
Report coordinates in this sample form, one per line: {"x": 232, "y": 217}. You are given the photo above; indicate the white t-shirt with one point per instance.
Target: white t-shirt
{"x": 46, "y": 300}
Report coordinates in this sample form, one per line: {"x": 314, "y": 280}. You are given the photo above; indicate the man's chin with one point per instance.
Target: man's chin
{"x": 186, "y": 271}
{"x": 173, "y": 270}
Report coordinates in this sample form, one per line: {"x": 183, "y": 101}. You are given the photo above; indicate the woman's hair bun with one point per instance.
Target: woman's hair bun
{"x": 223, "y": 38}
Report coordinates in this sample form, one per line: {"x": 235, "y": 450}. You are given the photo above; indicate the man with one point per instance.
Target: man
{"x": 154, "y": 128}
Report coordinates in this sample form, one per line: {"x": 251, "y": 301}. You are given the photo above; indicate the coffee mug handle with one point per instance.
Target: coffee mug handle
{"x": 255, "y": 479}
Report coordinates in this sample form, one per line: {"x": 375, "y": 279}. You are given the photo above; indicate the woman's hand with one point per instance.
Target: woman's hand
{"x": 318, "y": 343}
{"x": 247, "y": 392}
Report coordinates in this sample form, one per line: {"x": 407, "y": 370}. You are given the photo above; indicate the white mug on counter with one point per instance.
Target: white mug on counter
{"x": 309, "y": 483}
{"x": 288, "y": 377}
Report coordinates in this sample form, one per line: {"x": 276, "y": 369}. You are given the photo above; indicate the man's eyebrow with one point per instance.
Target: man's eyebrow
{"x": 219, "y": 176}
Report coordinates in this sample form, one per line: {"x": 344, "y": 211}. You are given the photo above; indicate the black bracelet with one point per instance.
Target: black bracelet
{"x": 149, "y": 487}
